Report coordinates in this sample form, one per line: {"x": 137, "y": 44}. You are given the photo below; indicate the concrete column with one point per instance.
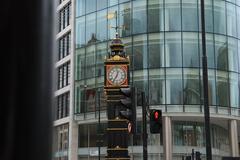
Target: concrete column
{"x": 233, "y": 135}
{"x": 73, "y": 141}
{"x": 167, "y": 138}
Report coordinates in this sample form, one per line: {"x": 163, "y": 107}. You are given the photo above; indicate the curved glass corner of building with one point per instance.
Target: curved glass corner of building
{"x": 163, "y": 40}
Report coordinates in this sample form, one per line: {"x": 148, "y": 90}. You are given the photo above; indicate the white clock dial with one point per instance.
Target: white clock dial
{"x": 117, "y": 75}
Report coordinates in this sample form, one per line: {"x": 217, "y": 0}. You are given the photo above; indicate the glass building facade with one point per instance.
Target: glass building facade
{"x": 163, "y": 41}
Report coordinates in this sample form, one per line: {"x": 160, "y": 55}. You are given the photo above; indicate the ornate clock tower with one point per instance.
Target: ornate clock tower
{"x": 116, "y": 78}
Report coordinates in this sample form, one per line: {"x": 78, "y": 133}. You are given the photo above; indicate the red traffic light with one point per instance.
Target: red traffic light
{"x": 156, "y": 115}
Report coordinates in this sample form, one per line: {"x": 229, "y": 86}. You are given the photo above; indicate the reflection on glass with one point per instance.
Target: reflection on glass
{"x": 231, "y": 20}
{"x": 190, "y": 50}
{"x": 80, "y": 7}
{"x": 102, "y": 25}
{"x": 222, "y": 88}
{"x": 172, "y": 15}
{"x": 219, "y": 17}
{"x": 112, "y": 2}
{"x": 156, "y": 50}
{"x": 112, "y": 22}
{"x": 140, "y": 57}
{"x": 211, "y": 87}
{"x": 189, "y": 15}
{"x": 155, "y": 16}
{"x": 91, "y": 28}
{"x": 156, "y": 87}
{"x": 139, "y": 16}
{"x": 125, "y": 19}
{"x": 234, "y": 91}
{"x": 221, "y": 52}
{"x": 80, "y": 64}
{"x": 173, "y": 50}
{"x": 90, "y": 6}
{"x": 127, "y": 41}
{"x": 174, "y": 86}
{"x": 90, "y": 62}
{"x": 238, "y": 19}
{"x": 208, "y": 16}
{"x": 80, "y": 32}
{"x": 83, "y": 136}
{"x": 101, "y": 53}
{"x": 101, "y": 4}
{"x": 232, "y": 54}
{"x": 191, "y": 88}
{"x": 140, "y": 80}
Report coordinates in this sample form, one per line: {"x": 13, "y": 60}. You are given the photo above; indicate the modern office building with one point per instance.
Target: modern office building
{"x": 163, "y": 40}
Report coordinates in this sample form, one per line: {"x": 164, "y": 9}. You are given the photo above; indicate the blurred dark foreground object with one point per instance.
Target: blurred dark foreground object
{"x": 26, "y": 79}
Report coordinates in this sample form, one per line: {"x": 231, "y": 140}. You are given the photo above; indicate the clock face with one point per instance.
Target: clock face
{"x": 117, "y": 75}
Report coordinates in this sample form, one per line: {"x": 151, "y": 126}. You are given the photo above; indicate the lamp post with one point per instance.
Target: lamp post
{"x": 205, "y": 86}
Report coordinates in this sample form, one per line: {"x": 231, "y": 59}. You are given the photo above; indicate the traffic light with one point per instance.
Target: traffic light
{"x": 198, "y": 155}
{"x": 155, "y": 121}
{"x": 128, "y": 107}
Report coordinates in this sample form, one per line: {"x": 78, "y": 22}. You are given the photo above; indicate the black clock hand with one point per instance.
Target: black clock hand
{"x": 115, "y": 77}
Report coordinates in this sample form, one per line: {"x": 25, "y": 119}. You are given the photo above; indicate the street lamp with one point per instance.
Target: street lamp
{"x": 205, "y": 86}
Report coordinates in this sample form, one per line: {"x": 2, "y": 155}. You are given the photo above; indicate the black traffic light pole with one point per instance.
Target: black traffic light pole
{"x": 205, "y": 86}
{"x": 144, "y": 123}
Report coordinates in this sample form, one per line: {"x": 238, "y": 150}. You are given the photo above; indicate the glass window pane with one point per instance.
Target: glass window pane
{"x": 174, "y": 91}
{"x": 80, "y": 64}
{"x": 156, "y": 50}
{"x": 101, "y": 4}
{"x": 172, "y": 15}
{"x": 191, "y": 88}
{"x": 101, "y": 53}
{"x": 120, "y": 1}
{"x": 155, "y": 15}
{"x": 209, "y": 50}
{"x": 238, "y": 21}
{"x": 90, "y": 61}
{"x": 156, "y": 87}
{"x": 80, "y": 32}
{"x": 140, "y": 54}
{"x": 219, "y": 17}
{"x": 238, "y": 2}
{"x": 189, "y": 15}
{"x": 127, "y": 41}
{"x": 102, "y": 25}
{"x": 92, "y": 135}
{"x": 190, "y": 50}
{"x": 222, "y": 88}
{"x": 91, "y": 28}
{"x": 83, "y": 135}
{"x": 231, "y": 20}
{"x": 80, "y": 7}
{"x": 232, "y": 54}
{"x": 112, "y": 2}
{"x": 90, "y": 99}
{"x": 221, "y": 52}
{"x": 234, "y": 91}
{"x": 125, "y": 19}
{"x": 90, "y": 6}
{"x": 211, "y": 87}
{"x": 140, "y": 80}
{"x": 139, "y": 16}
{"x": 173, "y": 50}
{"x": 208, "y": 15}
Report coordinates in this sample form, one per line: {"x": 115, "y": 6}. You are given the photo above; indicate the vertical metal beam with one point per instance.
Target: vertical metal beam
{"x": 99, "y": 149}
{"x": 233, "y": 138}
{"x": 167, "y": 138}
{"x": 205, "y": 86}
{"x": 144, "y": 130}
